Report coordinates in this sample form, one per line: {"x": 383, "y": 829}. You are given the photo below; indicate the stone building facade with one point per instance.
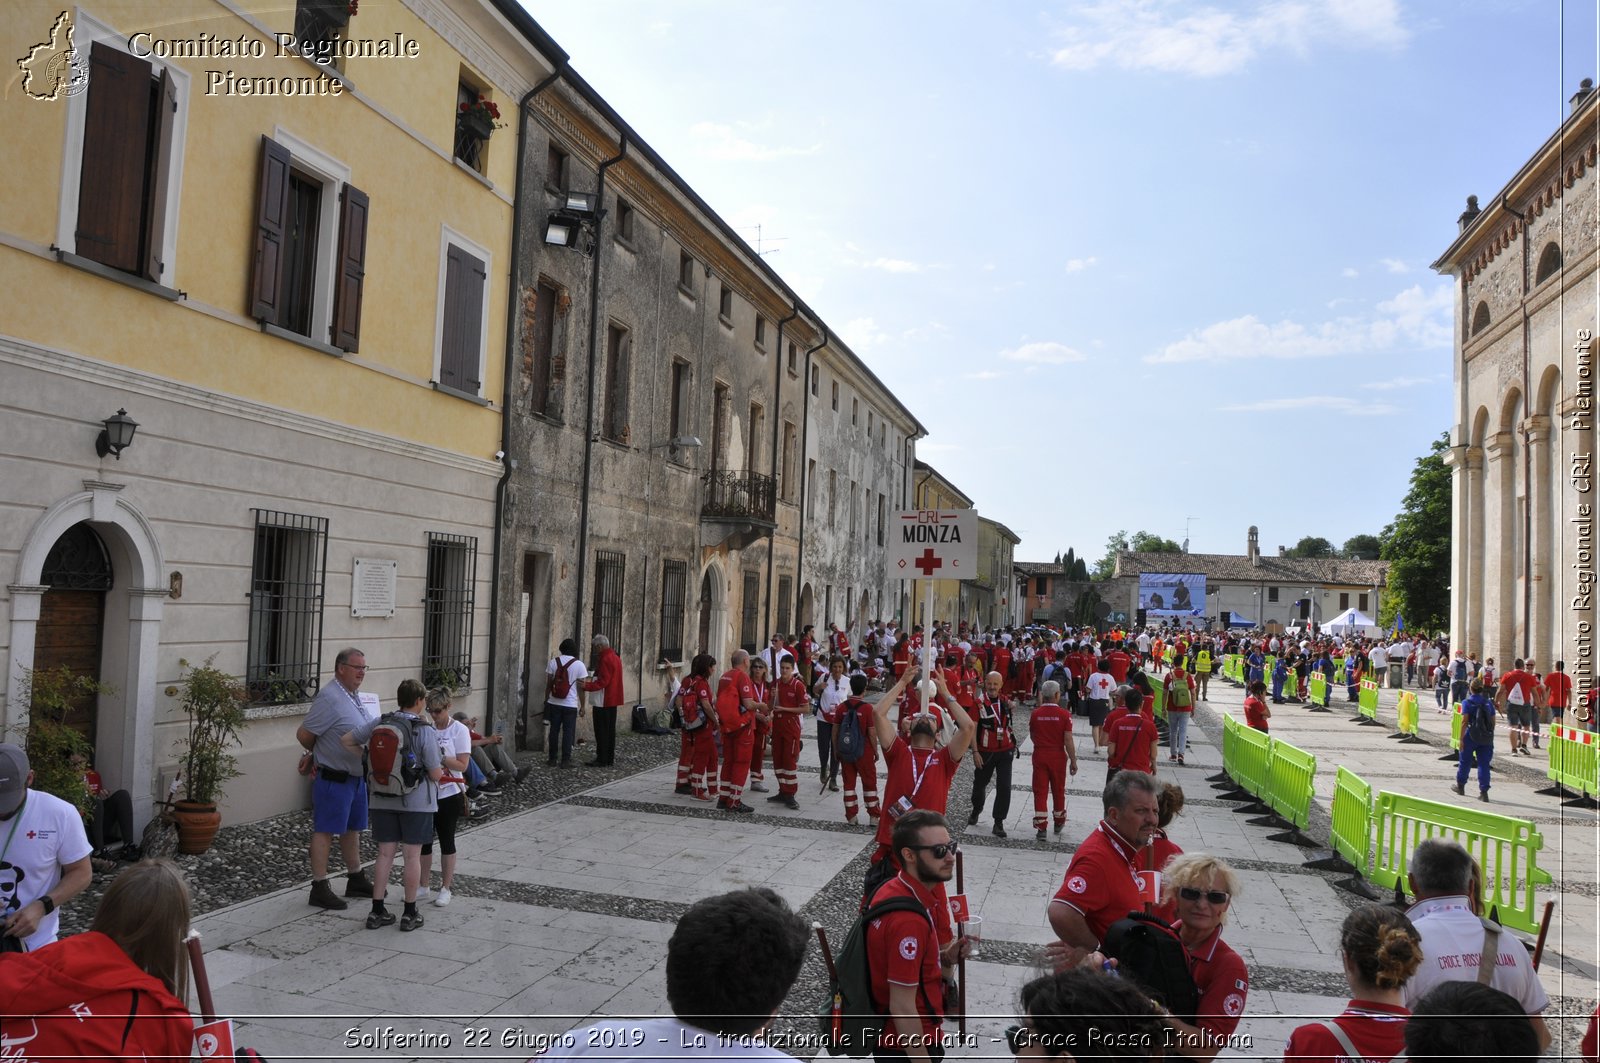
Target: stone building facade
{"x": 1521, "y": 445}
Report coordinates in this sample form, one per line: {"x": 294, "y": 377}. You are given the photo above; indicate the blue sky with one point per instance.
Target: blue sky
{"x": 1129, "y": 262}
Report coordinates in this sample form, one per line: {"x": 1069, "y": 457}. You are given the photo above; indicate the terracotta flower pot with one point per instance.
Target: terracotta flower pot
{"x": 198, "y": 823}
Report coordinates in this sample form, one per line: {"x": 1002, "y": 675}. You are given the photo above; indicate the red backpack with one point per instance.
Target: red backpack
{"x": 561, "y": 682}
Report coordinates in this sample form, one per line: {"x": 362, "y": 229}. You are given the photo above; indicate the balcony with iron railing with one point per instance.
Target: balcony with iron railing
{"x": 740, "y": 497}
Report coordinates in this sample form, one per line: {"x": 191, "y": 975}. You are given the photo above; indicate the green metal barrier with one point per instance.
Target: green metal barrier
{"x": 1408, "y": 718}
{"x": 1158, "y": 701}
{"x": 1317, "y": 689}
{"x": 1574, "y": 763}
{"x": 1291, "y": 773}
{"x": 1351, "y": 838}
{"x": 1338, "y": 670}
{"x": 1230, "y": 748}
{"x": 1367, "y": 704}
{"x": 1254, "y": 756}
{"x": 1506, "y": 848}
{"x": 1455, "y": 733}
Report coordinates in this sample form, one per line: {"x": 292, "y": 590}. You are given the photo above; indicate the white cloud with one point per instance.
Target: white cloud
{"x": 1078, "y": 265}
{"x": 1043, "y": 354}
{"x": 894, "y": 265}
{"x": 1396, "y": 383}
{"x": 1175, "y": 36}
{"x": 862, "y": 334}
{"x": 1349, "y": 271}
{"x": 1340, "y": 404}
{"x": 984, "y": 374}
{"x": 1394, "y": 265}
{"x": 660, "y": 29}
{"x": 1412, "y": 320}
{"x": 716, "y": 140}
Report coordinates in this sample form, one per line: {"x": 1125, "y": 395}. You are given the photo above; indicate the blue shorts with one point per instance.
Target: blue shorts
{"x": 337, "y": 807}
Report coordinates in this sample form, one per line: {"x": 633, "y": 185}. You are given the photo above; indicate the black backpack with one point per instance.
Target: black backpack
{"x": 1480, "y": 725}
{"x": 1150, "y": 953}
{"x": 852, "y": 735}
{"x": 850, "y": 1021}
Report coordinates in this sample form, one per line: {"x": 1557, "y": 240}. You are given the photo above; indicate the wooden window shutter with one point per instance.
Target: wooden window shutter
{"x": 160, "y": 152}
{"x": 464, "y": 279}
{"x": 272, "y": 223}
{"x": 352, "y": 269}
{"x": 115, "y": 145}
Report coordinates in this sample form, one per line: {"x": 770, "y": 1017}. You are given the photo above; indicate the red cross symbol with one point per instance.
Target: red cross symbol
{"x": 928, "y": 562}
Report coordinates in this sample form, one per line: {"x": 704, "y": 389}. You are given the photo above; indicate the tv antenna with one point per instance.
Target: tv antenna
{"x": 1186, "y": 522}
{"x": 761, "y": 250}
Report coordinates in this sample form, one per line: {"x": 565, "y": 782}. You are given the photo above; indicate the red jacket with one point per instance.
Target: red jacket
{"x": 607, "y": 677}
{"x": 79, "y": 992}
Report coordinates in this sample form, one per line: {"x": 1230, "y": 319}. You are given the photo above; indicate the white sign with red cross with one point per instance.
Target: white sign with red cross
{"x": 934, "y": 544}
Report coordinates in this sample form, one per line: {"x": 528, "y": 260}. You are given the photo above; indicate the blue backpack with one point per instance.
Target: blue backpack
{"x": 852, "y": 736}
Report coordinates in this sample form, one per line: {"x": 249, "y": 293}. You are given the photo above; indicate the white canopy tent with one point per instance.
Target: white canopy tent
{"x": 1350, "y": 622}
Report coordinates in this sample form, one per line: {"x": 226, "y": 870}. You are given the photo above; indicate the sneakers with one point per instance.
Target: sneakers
{"x": 741, "y": 808}
{"x": 1039, "y": 835}
{"x": 683, "y": 788}
{"x": 358, "y": 885}
{"x": 408, "y": 922}
{"x": 833, "y": 786}
{"x": 972, "y": 818}
{"x": 422, "y": 894}
{"x": 490, "y": 789}
{"x": 522, "y": 772}
{"x": 377, "y": 919}
{"x": 999, "y": 829}
{"x": 503, "y": 779}
{"x": 1458, "y": 788}
{"x": 758, "y": 787}
{"x": 777, "y": 798}
{"x": 1535, "y": 741}
{"x": 790, "y": 803}
{"x": 442, "y": 899}
{"x": 850, "y": 820}
{"x": 1059, "y": 828}
{"x": 322, "y": 896}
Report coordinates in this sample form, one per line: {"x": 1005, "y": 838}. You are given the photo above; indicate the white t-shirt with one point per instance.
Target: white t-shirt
{"x": 635, "y": 1041}
{"x": 576, "y": 672}
{"x": 46, "y": 834}
{"x": 454, "y": 741}
{"x": 1379, "y": 657}
{"x": 1100, "y": 685}
{"x": 1452, "y": 944}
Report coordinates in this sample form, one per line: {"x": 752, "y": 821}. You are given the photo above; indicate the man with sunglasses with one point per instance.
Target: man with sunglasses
{"x": 1102, "y": 883}
{"x": 903, "y": 947}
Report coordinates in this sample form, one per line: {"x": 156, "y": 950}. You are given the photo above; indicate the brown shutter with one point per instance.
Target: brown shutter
{"x": 352, "y": 267}
{"x": 272, "y": 223}
{"x": 160, "y": 154}
{"x": 463, "y": 326}
{"x": 115, "y": 131}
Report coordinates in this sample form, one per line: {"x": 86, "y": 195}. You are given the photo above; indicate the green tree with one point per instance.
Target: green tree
{"x": 1141, "y": 542}
{"x": 1144, "y": 542}
{"x": 1080, "y": 571}
{"x": 1312, "y": 546}
{"x": 1107, "y": 564}
{"x": 1362, "y": 547}
{"x": 1417, "y": 546}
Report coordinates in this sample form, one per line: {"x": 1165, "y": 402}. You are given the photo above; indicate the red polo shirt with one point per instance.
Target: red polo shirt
{"x": 1132, "y": 733}
{"x": 1378, "y": 1031}
{"x": 902, "y": 949}
{"x": 1049, "y": 727}
{"x": 1102, "y": 881}
{"x": 732, "y": 690}
{"x": 924, "y": 775}
{"x": 791, "y": 695}
{"x": 1559, "y": 685}
{"x": 1223, "y": 982}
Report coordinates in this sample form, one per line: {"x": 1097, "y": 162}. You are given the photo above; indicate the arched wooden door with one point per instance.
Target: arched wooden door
{"x": 72, "y": 614}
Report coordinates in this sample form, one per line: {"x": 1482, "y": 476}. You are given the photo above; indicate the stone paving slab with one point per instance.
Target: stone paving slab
{"x": 563, "y": 912}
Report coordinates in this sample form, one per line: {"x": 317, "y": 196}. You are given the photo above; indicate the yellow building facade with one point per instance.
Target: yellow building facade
{"x": 268, "y": 233}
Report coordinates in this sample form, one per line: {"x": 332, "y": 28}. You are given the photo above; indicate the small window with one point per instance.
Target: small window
{"x": 855, "y": 412}
{"x": 318, "y": 25}
{"x": 883, "y": 434}
{"x": 883, "y": 517}
{"x": 555, "y": 168}
{"x": 609, "y": 570}
{"x": 1549, "y": 262}
{"x": 761, "y": 332}
{"x": 816, "y": 377}
{"x": 810, "y": 487}
{"x": 447, "y": 608}
{"x": 1344, "y": 601}
{"x": 618, "y": 344}
{"x": 287, "y": 574}
{"x": 785, "y": 600}
{"x": 477, "y": 117}
{"x": 1480, "y": 318}
{"x": 544, "y": 398}
{"x": 686, "y": 273}
{"x": 750, "y": 612}
{"x": 835, "y": 396}
{"x": 678, "y": 424}
{"x": 788, "y": 461}
{"x": 674, "y": 586}
{"x": 869, "y": 423}
{"x": 852, "y": 503}
{"x": 1272, "y": 594}
{"x": 725, "y": 304}
{"x": 753, "y": 459}
{"x": 794, "y": 362}
{"x": 719, "y": 426}
{"x": 1361, "y": 603}
{"x": 625, "y": 214}
{"x": 833, "y": 494}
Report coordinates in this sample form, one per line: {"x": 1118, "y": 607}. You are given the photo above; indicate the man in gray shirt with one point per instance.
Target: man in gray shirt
{"x": 339, "y": 792}
{"x": 402, "y": 821}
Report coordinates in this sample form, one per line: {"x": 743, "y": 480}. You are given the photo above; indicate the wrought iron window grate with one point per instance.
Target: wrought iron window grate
{"x": 448, "y": 605}
{"x": 288, "y": 572}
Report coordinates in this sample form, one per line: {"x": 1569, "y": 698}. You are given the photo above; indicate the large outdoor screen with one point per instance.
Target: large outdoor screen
{"x": 1172, "y": 593}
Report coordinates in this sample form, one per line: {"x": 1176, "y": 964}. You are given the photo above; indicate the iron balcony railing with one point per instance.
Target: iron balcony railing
{"x": 742, "y": 496}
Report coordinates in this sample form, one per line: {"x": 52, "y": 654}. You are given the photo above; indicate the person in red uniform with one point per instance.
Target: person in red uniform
{"x": 1131, "y": 737}
{"x": 1381, "y": 950}
{"x": 1050, "y": 730}
{"x": 1256, "y": 712}
{"x": 1120, "y": 661}
{"x": 761, "y": 680}
{"x": 993, "y": 752}
{"x": 841, "y": 640}
{"x": 1558, "y": 691}
{"x": 791, "y": 703}
{"x": 1159, "y": 853}
{"x": 1023, "y": 687}
{"x": 1002, "y": 664}
{"x": 1204, "y": 887}
{"x": 865, "y": 766}
{"x": 807, "y": 648}
{"x": 903, "y": 950}
{"x": 605, "y": 678}
{"x": 736, "y": 712}
{"x": 1101, "y": 884}
{"x": 699, "y": 745}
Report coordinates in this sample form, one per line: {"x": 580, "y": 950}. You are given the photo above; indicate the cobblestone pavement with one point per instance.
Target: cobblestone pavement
{"x": 565, "y": 899}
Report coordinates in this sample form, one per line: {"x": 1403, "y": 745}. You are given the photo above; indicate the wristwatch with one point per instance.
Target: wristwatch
{"x": 49, "y": 905}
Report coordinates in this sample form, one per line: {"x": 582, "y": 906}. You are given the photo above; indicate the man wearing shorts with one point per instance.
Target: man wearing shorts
{"x": 1097, "y": 696}
{"x": 338, "y": 791}
{"x": 402, "y": 821}
{"x": 1516, "y": 702}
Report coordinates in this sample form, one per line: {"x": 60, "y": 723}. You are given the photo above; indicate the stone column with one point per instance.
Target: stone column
{"x": 1477, "y": 578}
{"x": 1455, "y": 459}
{"x": 1501, "y": 608}
{"x": 1541, "y": 627}
{"x": 26, "y": 601}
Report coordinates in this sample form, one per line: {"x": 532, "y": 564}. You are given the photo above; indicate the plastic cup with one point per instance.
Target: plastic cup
{"x": 974, "y": 930}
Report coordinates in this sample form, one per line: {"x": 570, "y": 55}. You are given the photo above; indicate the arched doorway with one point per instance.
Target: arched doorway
{"x": 76, "y": 575}
{"x": 807, "y": 607}
{"x": 713, "y": 631}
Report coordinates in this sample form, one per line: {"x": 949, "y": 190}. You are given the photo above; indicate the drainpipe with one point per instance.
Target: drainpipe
{"x": 509, "y": 462}
{"x": 1527, "y": 451}
{"x": 772, "y": 540}
{"x": 805, "y": 435}
{"x": 588, "y": 425}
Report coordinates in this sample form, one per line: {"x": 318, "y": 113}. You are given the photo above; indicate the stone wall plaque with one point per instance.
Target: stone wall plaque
{"x": 372, "y": 587}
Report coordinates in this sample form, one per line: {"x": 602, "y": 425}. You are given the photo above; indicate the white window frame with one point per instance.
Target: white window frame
{"x": 448, "y": 237}
{"x": 88, "y": 30}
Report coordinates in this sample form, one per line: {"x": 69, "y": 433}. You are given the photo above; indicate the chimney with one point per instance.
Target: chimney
{"x": 1467, "y": 215}
{"x": 1253, "y": 546}
{"x": 1283, "y": 551}
{"x": 1585, "y": 90}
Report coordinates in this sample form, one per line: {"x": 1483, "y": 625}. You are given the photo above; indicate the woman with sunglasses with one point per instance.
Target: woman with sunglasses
{"x": 1085, "y": 1013}
{"x": 1204, "y": 887}
{"x": 1381, "y": 951}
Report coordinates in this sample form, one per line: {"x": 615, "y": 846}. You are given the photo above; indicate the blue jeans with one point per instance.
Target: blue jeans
{"x": 824, "y": 744}
{"x": 1469, "y": 750}
{"x": 1178, "y": 731}
{"x": 563, "y": 727}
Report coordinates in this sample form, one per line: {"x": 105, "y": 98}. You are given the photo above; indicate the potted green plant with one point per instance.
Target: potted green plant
{"x": 58, "y": 751}
{"x": 480, "y": 117}
{"x": 214, "y": 702}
